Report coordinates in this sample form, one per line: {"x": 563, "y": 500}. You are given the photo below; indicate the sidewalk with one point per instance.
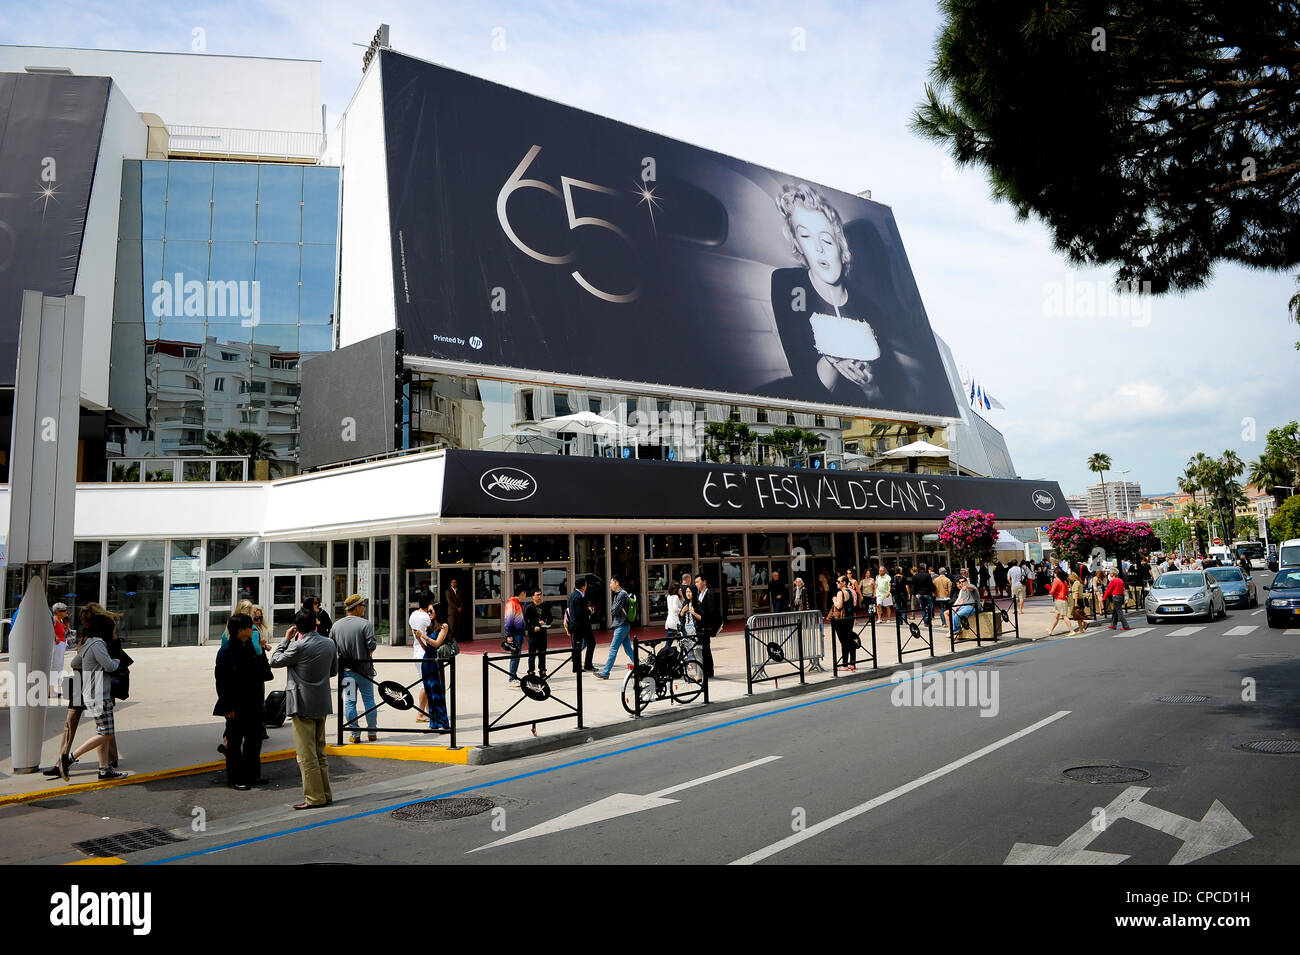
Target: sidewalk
{"x": 167, "y": 726}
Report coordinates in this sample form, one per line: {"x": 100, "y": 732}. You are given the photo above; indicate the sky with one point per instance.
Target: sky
{"x": 825, "y": 92}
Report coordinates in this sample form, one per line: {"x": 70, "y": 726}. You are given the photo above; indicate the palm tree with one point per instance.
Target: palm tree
{"x": 1270, "y": 473}
{"x": 1100, "y": 463}
{"x": 244, "y": 444}
{"x": 1189, "y": 482}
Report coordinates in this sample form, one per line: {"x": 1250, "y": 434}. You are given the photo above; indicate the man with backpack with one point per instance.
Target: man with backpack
{"x": 619, "y": 606}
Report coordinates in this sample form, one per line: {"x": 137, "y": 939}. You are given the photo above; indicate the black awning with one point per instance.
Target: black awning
{"x": 491, "y": 484}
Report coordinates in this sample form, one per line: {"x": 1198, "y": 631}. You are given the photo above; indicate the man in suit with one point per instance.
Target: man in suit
{"x": 709, "y": 607}
{"x": 311, "y": 660}
{"x": 242, "y": 674}
{"x": 580, "y": 627}
{"x": 777, "y": 593}
{"x": 455, "y": 604}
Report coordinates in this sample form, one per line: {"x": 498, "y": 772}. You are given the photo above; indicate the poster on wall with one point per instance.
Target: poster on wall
{"x": 184, "y": 600}
{"x": 531, "y": 235}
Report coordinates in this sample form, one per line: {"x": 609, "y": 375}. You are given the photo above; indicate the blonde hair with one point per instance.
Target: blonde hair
{"x": 805, "y": 195}
{"x": 244, "y": 606}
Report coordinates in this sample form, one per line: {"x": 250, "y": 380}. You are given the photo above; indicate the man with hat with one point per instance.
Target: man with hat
{"x": 354, "y": 636}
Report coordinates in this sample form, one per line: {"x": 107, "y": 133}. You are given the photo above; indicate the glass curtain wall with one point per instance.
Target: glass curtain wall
{"x": 226, "y": 279}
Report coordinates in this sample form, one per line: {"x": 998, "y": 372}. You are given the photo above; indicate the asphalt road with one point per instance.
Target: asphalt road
{"x": 850, "y": 775}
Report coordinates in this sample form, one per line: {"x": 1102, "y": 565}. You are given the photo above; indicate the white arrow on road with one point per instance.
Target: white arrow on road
{"x": 619, "y": 804}
{"x": 1217, "y": 830}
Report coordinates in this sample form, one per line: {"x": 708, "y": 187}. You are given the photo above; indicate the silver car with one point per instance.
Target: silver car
{"x": 1185, "y": 593}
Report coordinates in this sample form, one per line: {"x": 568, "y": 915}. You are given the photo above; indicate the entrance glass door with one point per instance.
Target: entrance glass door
{"x": 288, "y": 590}
{"x": 659, "y": 575}
{"x": 224, "y": 592}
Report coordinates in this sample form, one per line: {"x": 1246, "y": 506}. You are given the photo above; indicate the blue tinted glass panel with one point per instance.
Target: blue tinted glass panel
{"x": 283, "y": 338}
{"x": 277, "y": 273}
{"x": 234, "y": 202}
{"x": 189, "y": 200}
{"x": 316, "y": 338}
{"x": 180, "y": 330}
{"x": 317, "y": 284}
{"x": 320, "y": 210}
{"x": 279, "y": 198}
{"x": 153, "y": 198}
{"x": 189, "y": 261}
{"x": 152, "y": 253}
{"x": 232, "y": 262}
{"x": 229, "y": 333}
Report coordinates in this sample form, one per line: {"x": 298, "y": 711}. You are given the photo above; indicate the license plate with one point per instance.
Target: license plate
{"x": 1173, "y": 608}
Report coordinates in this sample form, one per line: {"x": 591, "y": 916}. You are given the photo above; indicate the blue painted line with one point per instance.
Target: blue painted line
{"x": 553, "y": 769}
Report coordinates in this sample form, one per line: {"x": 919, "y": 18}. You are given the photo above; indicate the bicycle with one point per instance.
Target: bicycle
{"x": 656, "y": 680}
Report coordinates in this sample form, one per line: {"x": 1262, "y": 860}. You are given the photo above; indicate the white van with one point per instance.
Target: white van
{"x": 1223, "y": 555}
{"x": 1288, "y": 554}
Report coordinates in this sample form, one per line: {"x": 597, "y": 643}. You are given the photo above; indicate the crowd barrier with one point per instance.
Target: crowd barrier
{"x": 781, "y": 640}
{"x": 393, "y": 695}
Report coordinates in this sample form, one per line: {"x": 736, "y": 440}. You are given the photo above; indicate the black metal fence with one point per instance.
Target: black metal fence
{"x": 533, "y": 689}
{"x": 858, "y": 631}
{"x": 396, "y": 696}
{"x": 774, "y": 640}
{"x": 914, "y": 631}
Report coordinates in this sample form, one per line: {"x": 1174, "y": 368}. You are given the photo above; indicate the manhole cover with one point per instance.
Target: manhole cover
{"x": 1185, "y": 698}
{"x": 1106, "y": 774}
{"x": 437, "y": 810}
{"x": 124, "y": 842}
{"x": 1272, "y": 746}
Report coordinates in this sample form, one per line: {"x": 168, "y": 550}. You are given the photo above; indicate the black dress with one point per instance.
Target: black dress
{"x": 896, "y": 379}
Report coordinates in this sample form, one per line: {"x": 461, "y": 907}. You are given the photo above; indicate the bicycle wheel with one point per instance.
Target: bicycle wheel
{"x": 637, "y": 678}
{"x": 693, "y": 678}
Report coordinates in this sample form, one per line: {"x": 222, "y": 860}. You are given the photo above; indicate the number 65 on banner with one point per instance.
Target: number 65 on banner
{"x": 568, "y": 184}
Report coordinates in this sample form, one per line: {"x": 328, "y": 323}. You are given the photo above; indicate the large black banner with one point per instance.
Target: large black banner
{"x": 50, "y": 127}
{"x": 532, "y": 235}
{"x": 489, "y": 484}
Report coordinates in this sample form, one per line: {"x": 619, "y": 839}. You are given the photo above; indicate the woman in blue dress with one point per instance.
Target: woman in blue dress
{"x": 431, "y": 671}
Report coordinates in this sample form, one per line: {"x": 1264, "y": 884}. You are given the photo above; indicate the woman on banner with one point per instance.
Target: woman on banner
{"x": 836, "y": 340}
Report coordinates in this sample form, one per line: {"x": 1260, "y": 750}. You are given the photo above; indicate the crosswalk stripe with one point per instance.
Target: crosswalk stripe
{"x": 1185, "y": 631}
{"x": 1239, "y": 631}
{"x": 1131, "y": 633}
{"x": 1291, "y": 633}
{"x": 1256, "y": 613}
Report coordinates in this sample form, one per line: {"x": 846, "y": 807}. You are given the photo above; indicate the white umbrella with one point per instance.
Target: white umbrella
{"x": 586, "y": 421}
{"x": 917, "y": 449}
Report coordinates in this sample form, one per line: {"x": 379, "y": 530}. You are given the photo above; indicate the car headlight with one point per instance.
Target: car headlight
{"x": 1198, "y": 595}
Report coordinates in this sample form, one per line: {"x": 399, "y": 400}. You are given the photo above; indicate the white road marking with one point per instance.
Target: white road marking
{"x": 619, "y": 804}
{"x": 1239, "y": 631}
{"x": 1256, "y": 613}
{"x": 1291, "y": 633}
{"x": 1185, "y": 631}
{"x": 893, "y": 794}
{"x": 1218, "y": 829}
{"x": 1131, "y": 633}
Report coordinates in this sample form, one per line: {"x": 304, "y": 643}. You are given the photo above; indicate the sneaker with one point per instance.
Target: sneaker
{"x": 111, "y": 773}
{"x": 602, "y": 676}
{"x": 512, "y": 679}
{"x": 1111, "y": 626}
{"x": 354, "y": 739}
{"x": 238, "y": 787}
{"x": 372, "y": 738}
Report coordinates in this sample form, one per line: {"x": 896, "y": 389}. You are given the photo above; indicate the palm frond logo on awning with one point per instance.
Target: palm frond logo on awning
{"x": 508, "y": 484}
